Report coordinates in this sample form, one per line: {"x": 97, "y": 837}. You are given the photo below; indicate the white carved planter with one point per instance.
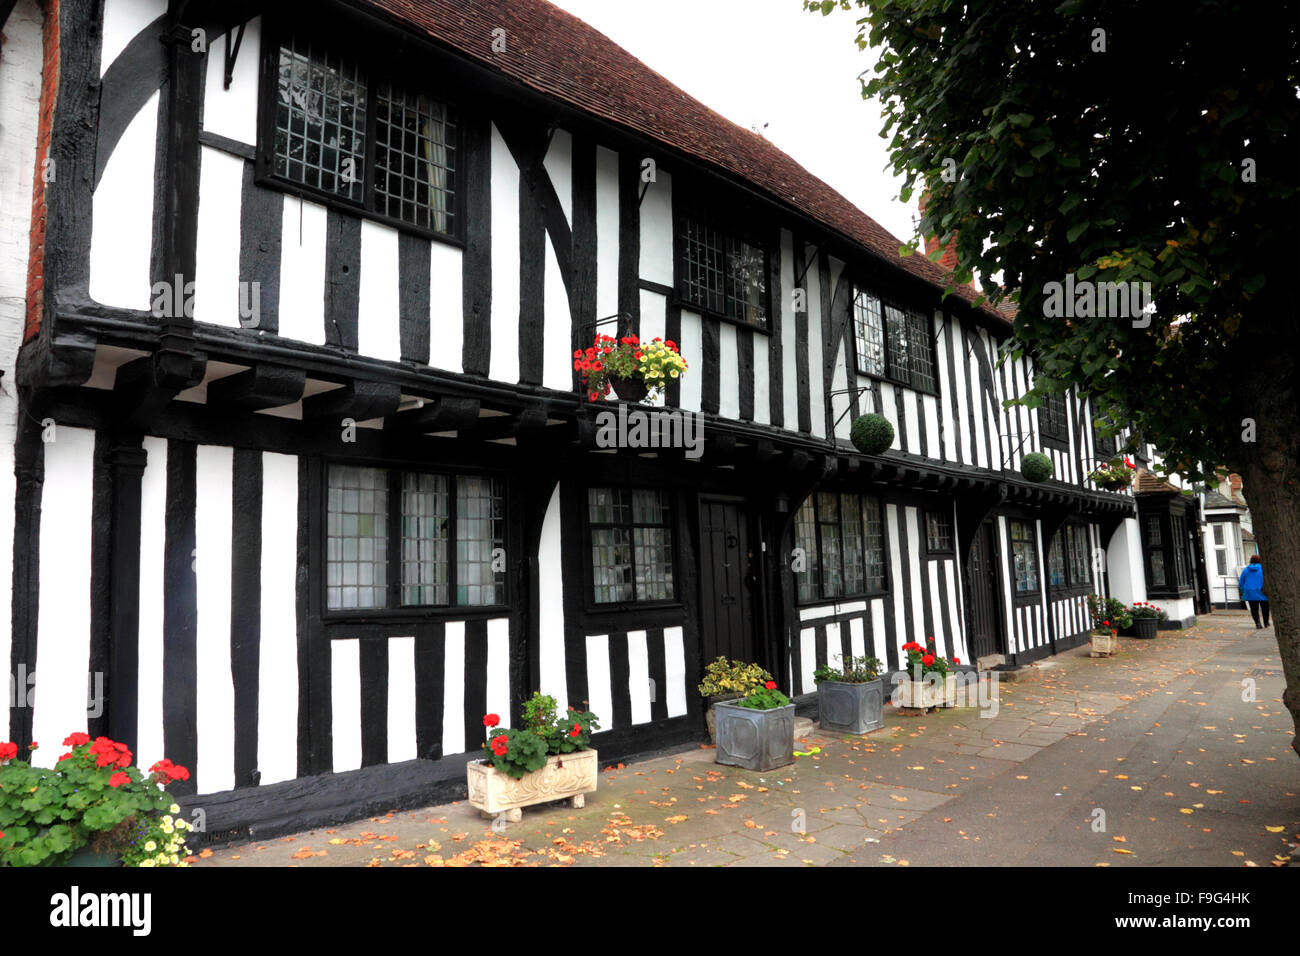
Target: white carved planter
{"x": 924, "y": 694}
{"x": 565, "y": 776}
{"x": 1103, "y": 643}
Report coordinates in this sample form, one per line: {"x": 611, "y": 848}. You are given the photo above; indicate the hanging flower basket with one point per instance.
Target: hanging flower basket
{"x": 629, "y": 389}
{"x": 634, "y": 369}
{"x": 1115, "y": 475}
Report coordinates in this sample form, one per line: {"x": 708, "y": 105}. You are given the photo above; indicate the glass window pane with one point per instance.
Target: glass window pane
{"x": 357, "y": 541}
{"x": 415, "y": 158}
{"x": 805, "y": 538}
{"x": 320, "y": 120}
{"x": 869, "y": 334}
{"x": 425, "y": 533}
{"x": 480, "y": 541}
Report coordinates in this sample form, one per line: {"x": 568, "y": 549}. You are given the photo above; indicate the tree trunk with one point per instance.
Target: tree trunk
{"x": 1271, "y": 476}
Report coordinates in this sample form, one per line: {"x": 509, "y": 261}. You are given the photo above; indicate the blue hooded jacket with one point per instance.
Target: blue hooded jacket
{"x": 1251, "y": 583}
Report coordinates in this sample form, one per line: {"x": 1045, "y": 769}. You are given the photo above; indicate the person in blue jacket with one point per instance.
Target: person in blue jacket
{"x": 1251, "y": 584}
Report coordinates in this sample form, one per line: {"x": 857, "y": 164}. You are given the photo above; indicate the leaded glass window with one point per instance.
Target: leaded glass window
{"x": 1056, "y": 574}
{"x": 869, "y": 333}
{"x": 325, "y": 104}
{"x": 721, "y": 273}
{"x": 449, "y": 549}
{"x": 415, "y": 158}
{"x": 1051, "y": 417}
{"x": 843, "y": 543}
{"x": 1024, "y": 556}
{"x": 631, "y": 545}
{"x": 938, "y": 531}
{"x": 356, "y": 543}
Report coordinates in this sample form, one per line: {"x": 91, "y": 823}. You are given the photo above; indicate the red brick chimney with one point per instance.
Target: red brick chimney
{"x": 949, "y": 258}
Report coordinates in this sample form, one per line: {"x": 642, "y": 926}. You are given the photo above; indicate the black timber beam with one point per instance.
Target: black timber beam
{"x": 530, "y": 420}
{"x": 443, "y": 414}
{"x": 145, "y": 386}
{"x": 262, "y": 386}
{"x": 67, "y": 358}
{"x": 359, "y": 401}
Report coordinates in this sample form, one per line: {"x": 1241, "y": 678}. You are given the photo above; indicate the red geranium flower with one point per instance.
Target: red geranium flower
{"x": 76, "y": 740}
{"x": 8, "y": 751}
{"x": 577, "y": 353}
{"x": 500, "y": 744}
{"x": 118, "y": 779}
{"x": 770, "y": 685}
{"x": 577, "y": 729}
{"x": 956, "y": 660}
{"x": 671, "y": 344}
{"x": 927, "y": 660}
{"x": 491, "y": 720}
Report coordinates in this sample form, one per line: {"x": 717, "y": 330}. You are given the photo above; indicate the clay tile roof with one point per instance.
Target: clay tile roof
{"x": 559, "y": 55}
{"x": 1148, "y": 483}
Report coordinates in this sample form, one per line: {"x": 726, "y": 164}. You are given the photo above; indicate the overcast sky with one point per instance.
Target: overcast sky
{"x": 768, "y": 61}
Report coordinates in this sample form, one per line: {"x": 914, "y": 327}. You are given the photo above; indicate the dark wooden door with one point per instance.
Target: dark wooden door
{"x": 982, "y": 594}
{"x": 728, "y": 582}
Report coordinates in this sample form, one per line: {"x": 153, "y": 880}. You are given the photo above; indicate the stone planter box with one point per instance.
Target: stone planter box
{"x": 565, "y": 776}
{"x": 1103, "y": 643}
{"x": 923, "y": 694}
{"x": 755, "y": 739}
{"x": 851, "y": 708}
{"x": 1145, "y": 627}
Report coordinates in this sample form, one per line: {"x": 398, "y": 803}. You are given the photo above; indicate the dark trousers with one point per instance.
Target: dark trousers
{"x": 1259, "y": 609}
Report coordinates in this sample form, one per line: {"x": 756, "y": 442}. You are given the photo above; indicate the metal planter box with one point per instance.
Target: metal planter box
{"x": 755, "y": 739}
{"x": 851, "y": 708}
{"x": 924, "y": 694}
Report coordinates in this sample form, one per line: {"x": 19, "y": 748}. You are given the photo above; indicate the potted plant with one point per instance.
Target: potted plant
{"x": 548, "y": 758}
{"x": 1104, "y": 639}
{"x": 93, "y": 808}
{"x": 1115, "y": 475}
{"x": 635, "y": 370}
{"x": 756, "y": 732}
{"x": 1111, "y": 610}
{"x": 926, "y": 682}
{"x": 1146, "y": 619}
{"x": 728, "y": 680}
{"x": 851, "y": 697}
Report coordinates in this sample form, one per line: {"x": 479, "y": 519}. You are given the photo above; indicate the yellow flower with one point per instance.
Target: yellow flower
{"x": 174, "y": 808}
{"x": 150, "y": 846}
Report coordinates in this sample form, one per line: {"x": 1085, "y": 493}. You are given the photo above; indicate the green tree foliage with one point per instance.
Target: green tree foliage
{"x": 1124, "y": 142}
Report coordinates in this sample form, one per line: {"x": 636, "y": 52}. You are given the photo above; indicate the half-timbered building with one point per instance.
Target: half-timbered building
{"x": 303, "y": 468}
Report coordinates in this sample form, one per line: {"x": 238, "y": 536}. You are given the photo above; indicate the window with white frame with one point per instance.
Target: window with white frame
{"x": 841, "y": 537}
{"x": 893, "y": 343}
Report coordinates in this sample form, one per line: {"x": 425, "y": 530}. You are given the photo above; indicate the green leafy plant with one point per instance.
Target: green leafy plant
{"x": 93, "y": 797}
{"x": 1141, "y": 609}
{"x": 725, "y": 677}
{"x": 1036, "y": 466}
{"x": 854, "y": 670}
{"x": 766, "y": 697}
{"x": 871, "y": 434}
{"x": 1108, "y": 613}
{"x": 520, "y": 750}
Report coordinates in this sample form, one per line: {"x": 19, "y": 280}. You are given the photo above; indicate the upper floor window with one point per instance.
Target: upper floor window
{"x": 389, "y": 150}
{"x": 631, "y": 545}
{"x": 720, "y": 272}
{"x": 449, "y": 547}
{"x": 842, "y": 541}
{"x": 1104, "y": 444}
{"x": 1051, "y": 418}
{"x": 892, "y": 343}
{"x": 1024, "y": 556}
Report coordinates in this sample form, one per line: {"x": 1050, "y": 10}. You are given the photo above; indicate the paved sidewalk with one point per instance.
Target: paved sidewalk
{"x": 1159, "y": 738}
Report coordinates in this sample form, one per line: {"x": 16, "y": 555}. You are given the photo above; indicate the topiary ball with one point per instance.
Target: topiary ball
{"x": 1036, "y": 467}
{"x": 871, "y": 434}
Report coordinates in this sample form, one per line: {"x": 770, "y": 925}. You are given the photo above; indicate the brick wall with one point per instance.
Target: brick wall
{"x": 48, "y": 100}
